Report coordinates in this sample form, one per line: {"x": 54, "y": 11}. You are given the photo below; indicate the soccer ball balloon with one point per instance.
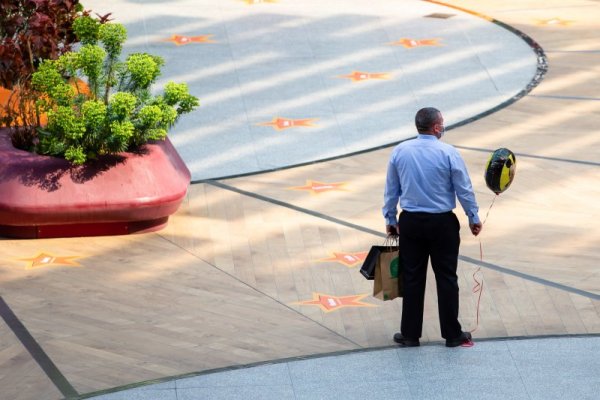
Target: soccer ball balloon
{"x": 500, "y": 170}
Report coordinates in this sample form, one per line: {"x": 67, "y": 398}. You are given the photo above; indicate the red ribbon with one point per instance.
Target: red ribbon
{"x": 478, "y": 285}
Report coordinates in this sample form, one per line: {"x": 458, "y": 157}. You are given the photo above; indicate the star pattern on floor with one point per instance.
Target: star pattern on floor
{"x": 359, "y": 76}
{"x": 554, "y": 22}
{"x": 280, "y": 124}
{"x": 47, "y": 260}
{"x": 348, "y": 259}
{"x": 181, "y": 40}
{"x": 329, "y": 303}
{"x": 412, "y": 43}
{"x": 316, "y": 187}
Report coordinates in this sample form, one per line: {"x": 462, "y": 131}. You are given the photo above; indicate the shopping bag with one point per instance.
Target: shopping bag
{"x": 368, "y": 268}
{"x": 387, "y": 283}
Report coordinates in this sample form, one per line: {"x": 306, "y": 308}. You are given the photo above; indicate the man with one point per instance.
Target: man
{"x": 427, "y": 175}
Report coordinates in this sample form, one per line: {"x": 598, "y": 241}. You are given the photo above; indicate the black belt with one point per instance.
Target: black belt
{"x": 426, "y": 213}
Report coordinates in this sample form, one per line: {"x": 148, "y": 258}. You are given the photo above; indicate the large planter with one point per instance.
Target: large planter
{"x": 43, "y": 196}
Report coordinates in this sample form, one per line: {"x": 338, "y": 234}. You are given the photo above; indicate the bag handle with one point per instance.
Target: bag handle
{"x": 391, "y": 240}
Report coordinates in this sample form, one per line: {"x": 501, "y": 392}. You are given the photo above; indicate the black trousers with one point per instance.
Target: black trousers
{"x": 424, "y": 236}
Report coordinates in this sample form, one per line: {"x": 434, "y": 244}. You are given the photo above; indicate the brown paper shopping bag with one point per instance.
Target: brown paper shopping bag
{"x": 388, "y": 274}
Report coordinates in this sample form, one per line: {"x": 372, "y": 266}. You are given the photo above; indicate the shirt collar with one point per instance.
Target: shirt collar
{"x": 426, "y": 137}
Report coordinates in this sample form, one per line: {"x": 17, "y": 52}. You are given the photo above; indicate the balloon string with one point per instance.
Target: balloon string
{"x": 488, "y": 211}
{"x": 478, "y": 285}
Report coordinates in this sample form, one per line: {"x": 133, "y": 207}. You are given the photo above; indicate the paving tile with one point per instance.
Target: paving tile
{"x": 382, "y": 390}
{"x": 264, "y": 110}
{"x": 375, "y": 128}
{"x": 284, "y": 84}
{"x": 184, "y": 20}
{"x": 283, "y": 46}
{"x": 375, "y": 366}
{"x": 264, "y": 375}
{"x": 566, "y": 387}
{"x": 276, "y": 149}
{"x": 206, "y": 144}
{"x": 159, "y": 44}
{"x": 457, "y": 363}
{"x": 557, "y": 358}
{"x": 216, "y": 72}
{"x": 373, "y": 96}
{"x": 141, "y": 394}
{"x": 347, "y": 45}
{"x": 586, "y": 346}
{"x": 435, "y": 388}
{"x": 281, "y": 392}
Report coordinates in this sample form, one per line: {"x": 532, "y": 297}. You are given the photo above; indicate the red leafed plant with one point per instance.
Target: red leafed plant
{"x": 30, "y": 31}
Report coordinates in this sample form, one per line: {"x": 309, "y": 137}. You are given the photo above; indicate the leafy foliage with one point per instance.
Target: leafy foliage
{"x": 31, "y": 31}
{"x": 118, "y": 112}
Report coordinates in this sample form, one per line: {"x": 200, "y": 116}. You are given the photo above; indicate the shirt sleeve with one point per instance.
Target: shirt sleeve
{"x": 464, "y": 189}
{"x": 391, "y": 195}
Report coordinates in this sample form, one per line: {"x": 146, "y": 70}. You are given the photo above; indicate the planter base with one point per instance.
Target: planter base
{"x": 46, "y": 197}
{"x": 77, "y": 230}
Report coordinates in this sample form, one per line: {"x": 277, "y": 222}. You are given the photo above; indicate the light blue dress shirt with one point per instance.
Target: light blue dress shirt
{"x": 427, "y": 175}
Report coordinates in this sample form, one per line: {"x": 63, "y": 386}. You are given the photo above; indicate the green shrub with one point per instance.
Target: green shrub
{"x": 118, "y": 113}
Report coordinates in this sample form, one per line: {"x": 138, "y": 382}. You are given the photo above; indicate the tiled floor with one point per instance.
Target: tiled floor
{"x": 293, "y": 61}
{"x": 264, "y": 267}
{"x": 552, "y": 368}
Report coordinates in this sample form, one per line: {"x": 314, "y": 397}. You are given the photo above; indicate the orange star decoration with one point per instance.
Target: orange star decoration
{"x": 329, "y": 303}
{"x": 279, "y": 123}
{"x": 554, "y": 22}
{"x": 181, "y": 40}
{"x": 251, "y": 2}
{"x": 411, "y": 43}
{"x": 316, "y": 187}
{"x": 357, "y": 76}
{"x": 348, "y": 259}
{"x": 45, "y": 260}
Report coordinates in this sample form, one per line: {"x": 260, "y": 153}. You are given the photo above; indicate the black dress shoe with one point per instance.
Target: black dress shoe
{"x": 464, "y": 338}
{"x": 405, "y": 342}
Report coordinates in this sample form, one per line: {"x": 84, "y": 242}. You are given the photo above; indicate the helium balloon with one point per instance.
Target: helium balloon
{"x": 500, "y": 170}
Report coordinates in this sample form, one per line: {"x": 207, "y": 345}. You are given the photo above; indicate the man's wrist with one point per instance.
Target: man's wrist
{"x": 474, "y": 220}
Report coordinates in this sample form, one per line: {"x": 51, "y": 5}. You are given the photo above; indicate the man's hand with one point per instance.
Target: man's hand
{"x": 392, "y": 230}
{"x": 476, "y": 228}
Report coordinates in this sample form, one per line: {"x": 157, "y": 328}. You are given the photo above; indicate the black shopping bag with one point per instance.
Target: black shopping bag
{"x": 368, "y": 268}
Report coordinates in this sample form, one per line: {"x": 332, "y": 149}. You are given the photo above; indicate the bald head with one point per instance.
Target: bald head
{"x": 426, "y": 118}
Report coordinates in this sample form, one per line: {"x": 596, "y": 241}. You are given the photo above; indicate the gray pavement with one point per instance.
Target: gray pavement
{"x": 288, "y": 59}
{"x": 541, "y": 368}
